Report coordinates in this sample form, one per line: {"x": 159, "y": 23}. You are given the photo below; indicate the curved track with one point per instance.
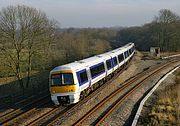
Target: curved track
{"x": 145, "y": 75}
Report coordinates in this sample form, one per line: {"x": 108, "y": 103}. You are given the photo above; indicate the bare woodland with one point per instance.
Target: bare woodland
{"x": 31, "y": 43}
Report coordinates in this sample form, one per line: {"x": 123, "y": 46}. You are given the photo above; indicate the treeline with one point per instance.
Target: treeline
{"x": 75, "y": 44}
{"x": 163, "y": 31}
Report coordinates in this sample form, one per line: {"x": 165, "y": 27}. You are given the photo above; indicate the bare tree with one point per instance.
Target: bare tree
{"x": 101, "y": 46}
{"x": 24, "y": 32}
{"x": 165, "y": 21}
{"x": 166, "y": 16}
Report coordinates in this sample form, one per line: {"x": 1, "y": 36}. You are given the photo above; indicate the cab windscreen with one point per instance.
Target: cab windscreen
{"x": 62, "y": 79}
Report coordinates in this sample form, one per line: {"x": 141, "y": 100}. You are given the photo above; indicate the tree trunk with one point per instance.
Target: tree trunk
{"x": 29, "y": 69}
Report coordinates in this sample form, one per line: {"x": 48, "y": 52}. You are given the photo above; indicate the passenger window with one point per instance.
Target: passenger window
{"x": 120, "y": 58}
{"x": 97, "y": 69}
{"x": 130, "y": 51}
{"x": 108, "y": 63}
{"x": 115, "y": 61}
{"x": 126, "y": 54}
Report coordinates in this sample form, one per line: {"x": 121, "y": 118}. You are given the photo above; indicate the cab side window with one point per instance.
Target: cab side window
{"x": 82, "y": 77}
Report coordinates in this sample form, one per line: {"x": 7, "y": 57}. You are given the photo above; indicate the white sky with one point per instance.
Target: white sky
{"x": 99, "y": 13}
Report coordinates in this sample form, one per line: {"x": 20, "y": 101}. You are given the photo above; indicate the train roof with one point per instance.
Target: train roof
{"x": 77, "y": 65}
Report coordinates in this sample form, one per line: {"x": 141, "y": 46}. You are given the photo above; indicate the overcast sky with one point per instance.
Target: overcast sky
{"x": 99, "y": 13}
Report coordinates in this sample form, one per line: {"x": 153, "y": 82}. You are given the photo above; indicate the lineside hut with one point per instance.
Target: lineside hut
{"x": 155, "y": 51}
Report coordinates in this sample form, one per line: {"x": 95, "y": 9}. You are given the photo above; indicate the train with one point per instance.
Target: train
{"x": 70, "y": 83}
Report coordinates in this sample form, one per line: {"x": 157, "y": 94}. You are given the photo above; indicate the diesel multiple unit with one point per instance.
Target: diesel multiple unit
{"x": 71, "y": 82}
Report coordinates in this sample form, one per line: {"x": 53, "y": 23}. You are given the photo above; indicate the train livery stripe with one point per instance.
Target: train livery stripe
{"x": 63, "y": 89}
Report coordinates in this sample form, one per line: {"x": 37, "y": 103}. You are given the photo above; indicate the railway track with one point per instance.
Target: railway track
{"x": 64, "y": 116}
{"x": 49, "y": 115}
{"x": 9, "y": 117}
{"x": 24, "y": 118}
{"x": 56, "y": 114}
{"x": 118, "y": 101}
{"x": 8, "y": 108}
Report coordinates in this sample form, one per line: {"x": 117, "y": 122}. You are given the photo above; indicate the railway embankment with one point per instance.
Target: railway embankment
{"x": 163, "y": 107}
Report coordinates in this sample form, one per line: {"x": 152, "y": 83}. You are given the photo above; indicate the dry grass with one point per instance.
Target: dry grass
{"x": 6, "y": 80}
{"x": 166, "y": 111}
{"x": 169, "y": 53}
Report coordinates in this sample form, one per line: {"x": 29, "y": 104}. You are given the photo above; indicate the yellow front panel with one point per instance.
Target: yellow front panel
{"x": 63, "y": 89}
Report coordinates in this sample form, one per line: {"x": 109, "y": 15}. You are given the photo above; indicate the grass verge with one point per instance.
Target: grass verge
{"x": 166, "y": 110}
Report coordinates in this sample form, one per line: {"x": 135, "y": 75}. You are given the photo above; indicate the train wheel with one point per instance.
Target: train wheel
{"x": 82, "y": 95}
{"x": 88, "y": 91}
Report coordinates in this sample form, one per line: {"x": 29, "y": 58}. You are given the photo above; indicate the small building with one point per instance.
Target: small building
{"x": 155, "y": 51}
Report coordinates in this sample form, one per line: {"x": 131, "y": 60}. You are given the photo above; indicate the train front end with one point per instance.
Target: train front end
{"x": 63, "y": 87}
